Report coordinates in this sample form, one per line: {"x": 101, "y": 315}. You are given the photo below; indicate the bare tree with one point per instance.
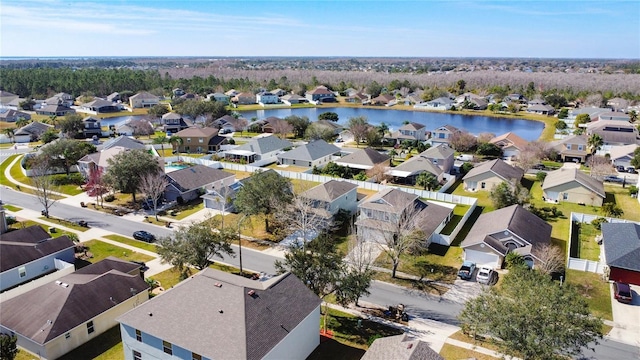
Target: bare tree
{"x": 154, "y": 185}
{"x": 379, "y": 173}
{"x": 141, "y": 127}
{"x": 531, "y": 155}
{"x": 43, "y": 182}
{"x": 485, "y": 137}
{"x": 305, "y": 216}
{"x": 360, "y": 260}
{"x": 281, "y": 128}
{"x": 600, "y": 166}
{"x": 359, "y": 127}
{"x": 463, "y": 141}
{"x": 551, "y": 259}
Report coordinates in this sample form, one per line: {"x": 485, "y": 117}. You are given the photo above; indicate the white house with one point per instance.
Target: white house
{"x": 316, "y": 153}
{"x": 267, "y": 98}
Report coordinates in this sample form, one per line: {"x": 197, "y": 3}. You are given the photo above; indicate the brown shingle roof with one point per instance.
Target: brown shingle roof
{"x": 566, "y": 175}
{"x": 367, "y": 157}
{"x": 197, "y": 132}
{"x": 508, "y": 139}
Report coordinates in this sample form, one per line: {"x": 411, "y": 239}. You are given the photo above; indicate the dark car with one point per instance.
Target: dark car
{"x": 466, "y": 270}
{"x": 622, "y": 292}
{"x": 613, "y": 178}
{"x": 538, "y": 167}
{"x": 144, "y": 236}
{"x": 632, "y": 170}
{"x": 620, "y": 168}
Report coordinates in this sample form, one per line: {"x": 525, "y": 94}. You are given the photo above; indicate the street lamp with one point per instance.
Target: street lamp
{"x": 240, "y": 242}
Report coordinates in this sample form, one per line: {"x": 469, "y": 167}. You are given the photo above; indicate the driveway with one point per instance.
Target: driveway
{"x": 626, "y": 318}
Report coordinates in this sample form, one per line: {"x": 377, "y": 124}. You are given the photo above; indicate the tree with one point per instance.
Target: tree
{"x": 302, "y": 217}
{"x": 489, "y": 149}
{"x": 532, "y": 317}
{"x": 463, "y": 141}
{"x": 551, "y": 259}
{"x": 96, "y": 186}
{"x": 154, "y": 185}
{"x": 195, "y": 245}
{"x": 360, "y": 258}
{"x": 594, "y": 142}
{"x": 65, "y": 153}
{"x": 635, "y": 161}
{"x": 8, "y": 346}
{"x": 42, "y": 168}
{"x": 563, "y": 113}
{"x": 560, "y": 125}
{"x": 281, "y": 128}
{"x": 316, "y": 131}
{"x": 158, "y": 110}
{"x": 427, "y": 180}
{"x": 540, "y": 176}
{"x": 504, "y": 194}
{"x": 264, "y": 193}
{"x": 633, "y": 116}
{"x": 461, "y": 84}
{"x": 22, "y": 122}
{"x": 195, "y": 108}
{"x": 126, "y": 170}
{"x": 582, "y": 119}
{"x": 485, "y": 137}
{"x": 9, "y": 132}
{"x": 611, "y": 209}
{"x": 176, "y": 142}
{"x": 331, "y": 116}
{"x": 299, "y": 124}
{"x": 161, "y": 139}
{"x": 531, "y": 155}
{"x": 48, "y": 136}
{"x": 141, "y": 127}
{"x": 601, "y": 166}
{"x": 359, "y": 127}
{"x": 378, "y": 173}
{"x": 382, "y": 129}
{"x": 71, "y": 125}
{"x": 373, "y": 137}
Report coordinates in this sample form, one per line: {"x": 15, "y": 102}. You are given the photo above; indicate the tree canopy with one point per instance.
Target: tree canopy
{"x": 331, "y": 116}
{"x": 504, "y": 194}
{"x": 264, "y": 193}
{"x": 299, "y": 124}
{"x": 532, "y": 317}
{"x": 71, "y": 125}
{"x": 126, "y": 170}
{"x": 65, "y": 153}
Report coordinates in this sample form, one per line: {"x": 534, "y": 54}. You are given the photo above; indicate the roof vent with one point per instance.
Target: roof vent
{"x": 251, "y": 293}
{"x": 150, "y": 314}
{"x": 409, "y": 346}
{"x": 218, "y": 284}
{"x": 221, "y": 311}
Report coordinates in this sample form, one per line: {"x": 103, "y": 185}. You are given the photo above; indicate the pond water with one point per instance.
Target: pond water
{"x": 527, "y": 129}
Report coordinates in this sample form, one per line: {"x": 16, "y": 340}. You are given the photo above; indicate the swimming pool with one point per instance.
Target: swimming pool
{"x": 173, "y": 167}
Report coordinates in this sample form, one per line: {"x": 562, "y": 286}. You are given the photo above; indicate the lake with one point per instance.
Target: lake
{"x": 475, "y": 124}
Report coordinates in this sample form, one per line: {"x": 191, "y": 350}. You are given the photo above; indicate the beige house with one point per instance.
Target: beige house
{"x": 510, "y": 143}
{"x": 143, "y": 100}
{"x": 572, "y": 185}
{"x": 491, "y": 173}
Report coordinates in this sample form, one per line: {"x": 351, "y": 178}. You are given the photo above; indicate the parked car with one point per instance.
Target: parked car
{"x": 620, "y": 168}
{"x": 144, "y": 236}
{"x": 486, "y": 275}
{"x": 464, "y": 157}
{"x": 622, "y": 292}
{"x": 466, "y": 270}
{"x": 538, "y": 167}
{"x": 613, "y": 178}
{"x": 632, "y": 170}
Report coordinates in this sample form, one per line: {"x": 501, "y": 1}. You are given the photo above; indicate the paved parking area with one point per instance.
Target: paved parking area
{"x": 626, "y": 318}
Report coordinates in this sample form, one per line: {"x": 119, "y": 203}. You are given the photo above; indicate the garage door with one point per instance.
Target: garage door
{"x": 482, "y": 258}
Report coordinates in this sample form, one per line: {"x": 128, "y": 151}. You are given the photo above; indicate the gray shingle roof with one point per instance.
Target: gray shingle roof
{"x": 19, "y": 247}
{"x": 498, "y": 167}
{"x": 265, "y": 145}
{"x": 400, "y": 347}
{"x": 51, "y": 310}
{"x": 311, "y": 151}
{"x": 441, "y": 151}
{"x": 197, "y": 176}
{"x": 565, "y": 175}
{"x": 34, "y": 128}
{"x": 144, "y": 95}
{"x": 367, "y": 157}
{"x": 200, "y": 316}
{"x": 415, "y": 165}
{"x": 123, "y": 141}
{"x": 330, "y": 190}
{"x": 622, "y": 245}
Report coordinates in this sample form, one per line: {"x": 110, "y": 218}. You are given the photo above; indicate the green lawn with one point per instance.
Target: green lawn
{"x": 187, "y": 209}
{"x": 106, "y": 346}
{"x": 168, "y": 278}
{"x": 132, "y": 242}
{"x": 483, "y": 196}
{"x": 3, "y": 180}
{"x": 458, "y": 213}
{"x": 18, "y": 175}
{"x": 588, "y": 248}
{"x": 346, "y": 331}
{"x": 102, "y": 250}
{"x": 594, "y": 290}
{"x": 452, "y": 352}
{"x": 65, "y": 223}
{"x": 439, "y": 263}
{"x": 12, "y": 208}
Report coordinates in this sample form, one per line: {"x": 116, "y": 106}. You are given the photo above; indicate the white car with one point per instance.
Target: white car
{"x": 485, "y": 275}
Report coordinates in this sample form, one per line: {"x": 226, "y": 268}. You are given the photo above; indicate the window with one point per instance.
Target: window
{"x": 441, "y": 135}
{"x": 568, "y": 146}
{"x": 90, "y": 328}
{"x": 67, "y": 335}
{"x": 22, "y": 272}
{"x": 200, "y": 140}
{"x": 195, "y": 356}
{"x": 137, "y": 355}
{"x": 138, "y": 335}
{"x": 188, "y": 140}
{"x": 580, "y": 147}
{"x": 483, "y": 185}
{"x": 167, "y": 347}
{"x": 565, "y": 196}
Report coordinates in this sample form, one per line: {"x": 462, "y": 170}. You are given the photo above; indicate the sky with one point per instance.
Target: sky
{"x": 364, "y": 28}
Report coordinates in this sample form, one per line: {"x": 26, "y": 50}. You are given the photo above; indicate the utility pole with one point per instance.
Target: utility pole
{"x": 240, "y": 242}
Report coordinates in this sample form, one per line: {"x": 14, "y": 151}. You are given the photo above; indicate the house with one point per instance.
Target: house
{"x": 114, "y": 97}
{"x": 177, "y": 92}
{"x": 222, "y": 199}
{"x": 467, "y": 97}
{"x": 174, "y": 122}
{"x": 143, "y": 99}
{"x": 622, "y": 155}
{"x": 124, "y": 130}
{"x": 541, "y": 109}
{"x": 621, "y": 245}
{"x": 593, "y": 113}
{"x": 614, "y": 132}
{"x": 244, "y": 98}
{"x": 320, "y": 94}
{"x": 516, "y": 98}
{"x": 357, "y": 98}
{"x": 123, "y": 141}
{"x": 62, "y": 99}
{"x": 574, "y": 186}
{"x": 98, "y": 106}
{"x": 278, "y": 92}
{"x": 190, "y": 96}
{"x": 191, "y": 182}
{"x": 510, "y": 143}
{"x": 332, "y": 125}
{"x": 57, "y": 110}
{"x": 274, "y": 124}
{"x": 31, "y": 132}
{"x": 258, "y": 149}
{"x": 488, "y": 174}
{"x": 442, "y": 135}
{"x": 91, "y": 127}
{"x": 478, "y": 103}
{"x": 29, "y": 253}
{"x": 231, "y": 93}
{"x": 618, "y": 104}
{"x": 389, "y": 208}
{"x": 571, "y": 148}
{"x": 329, "y": 198}
{"x": 217, "y": 315}
{"x": 400, "y": 347}
{"x": 6, "y": 97}
{"x": 510, "y": 229}
{"x": 411, "y": 131}
{"x": 13, "y": 115}
{"x": 267, "y": 98}
{"x": 110, "y": 148}
{"x": 436, "y": 160}
{"x": 383, "y": 99}
{"x": 316, "y": 153}
{"x": 364, "y": 159}
{"x": 53, "y": 319}
{"x": 290, "y": 99}
{"x": 196, "y": 139}
{"x": 218, "y": 97}
{"x": 441, "y": 103}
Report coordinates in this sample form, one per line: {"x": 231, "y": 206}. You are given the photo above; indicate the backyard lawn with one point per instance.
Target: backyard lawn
{"x": 594, "y": 290}
{"x": 588, "y": 248}
{"x": 168, "y": 278}
{"x": 102, "y": 250}
{"x": 106, "y": 346}
{"x": 345, "y": 329}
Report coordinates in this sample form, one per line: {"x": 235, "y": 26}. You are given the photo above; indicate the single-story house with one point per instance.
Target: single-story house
{"x": 316, "y": 153}
{"x": 400, "y": 347}
{"x": 364, "y": 159}
{"x": 408, "y": 171}
{"x": 193, "y": 181}
{"x": 622, "y": 155}
{"x": 100, "y": 106}
{"x": 541, "y": 109}
{"x": 217, "y": 315}
{"x": 574, "y": 186}
{"x": 57, "y": 110}
{"x": 357, "y": 98}
{"x": 510, "y": 229}
{"x": 143, "y": 99}
{"x": 332, "y": 196}
{"x": 510, "y": 143}
{"x": 258, "y": 149}
{"x": 382, "y": 99}
{"x": 293, "y": 99}
{"x": 441, "y": 103}
{"x": 621, "y": 244}
{"x": 123, "y": 141}
{"x": 571, "y": 148}
{"x": 13, "y": 115}
{"x": 53, "y": 319}
{"x": 62, "y": 99}
{"x": 114, "y": 97}
{"x": 124, "y": 130}
{"x": 231, "y": 93}
{"x": 381, "y": 213}
{"x": 614, "y": 132}
{"x": 31, "y": 132}
{"x": 29, "y": 253}
{"x": 334, "y": 126}
{"x": 488, "y": 174}
{"x": 218, "y": 97}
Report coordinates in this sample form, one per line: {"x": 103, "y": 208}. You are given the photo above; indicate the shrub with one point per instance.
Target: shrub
{"x": 110, "y": 198}
{"x": 373, "y": 338}
{"x": 633, "y": 190}
{"x": 540, "y": 176}
{"x": 71, "y": 179}
{"x": 597, "y": 223}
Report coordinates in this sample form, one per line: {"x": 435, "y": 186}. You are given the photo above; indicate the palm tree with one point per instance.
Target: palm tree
{"x": 9, "y": 132}
{"x": 633, "y": 116}
{"x": 176, "y": 142}
{"x": 162, "y": 139}
{"x": 427, "y": 180}
{"x": 21, "y": 122}
{"x": 594, "y": 143}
